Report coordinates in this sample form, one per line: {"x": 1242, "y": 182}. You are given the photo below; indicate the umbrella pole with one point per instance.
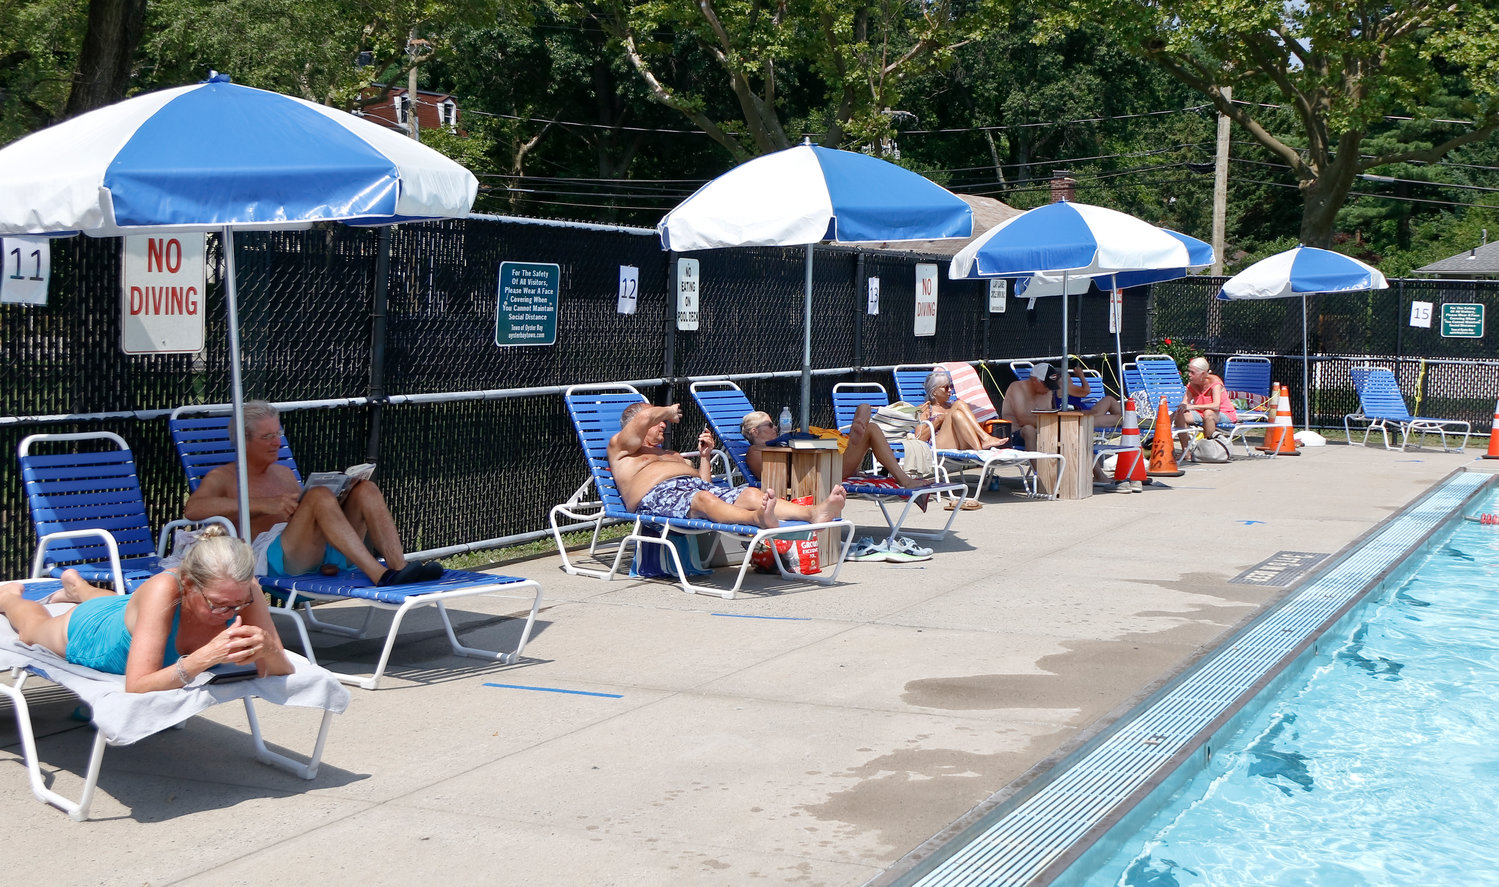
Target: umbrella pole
{"x": 806, "y": 410}
{"x": 1061, "y": 396}
{"x": 1306, "y": 415}
{"x": 231, "y": 311}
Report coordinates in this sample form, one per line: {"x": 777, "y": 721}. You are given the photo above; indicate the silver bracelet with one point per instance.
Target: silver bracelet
{"x": 182, "y": 674}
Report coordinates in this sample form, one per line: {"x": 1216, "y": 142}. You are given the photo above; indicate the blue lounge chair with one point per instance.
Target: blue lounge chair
{"x": 1247, "y": 380}
{"x": 86, "y": 482}
{"x": 726, "y": 405}
{"x": 847, "y": 397}
{"x": 203, "y": 442}
{"x": 595, "y": 411}
{"x": 1382, "y": 406}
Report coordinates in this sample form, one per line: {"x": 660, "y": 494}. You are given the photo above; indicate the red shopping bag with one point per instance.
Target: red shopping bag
{"x": 800, "y": 555}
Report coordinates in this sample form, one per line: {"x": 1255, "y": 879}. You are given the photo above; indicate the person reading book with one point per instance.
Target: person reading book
{"x": 297, "y": 531}
{"x": 863, "y": 439}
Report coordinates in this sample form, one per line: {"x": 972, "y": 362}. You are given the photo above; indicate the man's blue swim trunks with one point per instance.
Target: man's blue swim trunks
{"x": 673, "y": 496}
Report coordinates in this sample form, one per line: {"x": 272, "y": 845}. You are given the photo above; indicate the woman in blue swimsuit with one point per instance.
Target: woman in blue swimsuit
{"x": 176, "y": 626}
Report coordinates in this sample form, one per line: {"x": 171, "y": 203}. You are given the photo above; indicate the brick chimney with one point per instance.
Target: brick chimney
{"x": 1062, "y": 185}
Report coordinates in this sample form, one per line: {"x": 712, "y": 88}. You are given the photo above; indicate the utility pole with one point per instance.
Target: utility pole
{"x": 414, "y": 50}
{"x": 1220, "y": 187}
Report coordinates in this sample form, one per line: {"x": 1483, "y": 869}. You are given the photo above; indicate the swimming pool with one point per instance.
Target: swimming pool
{"x": 1378, "y": 768}
{"x": 1099, "y": 804}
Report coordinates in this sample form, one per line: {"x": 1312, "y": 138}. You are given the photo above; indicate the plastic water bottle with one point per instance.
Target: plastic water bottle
{"x": 785, "y": 421}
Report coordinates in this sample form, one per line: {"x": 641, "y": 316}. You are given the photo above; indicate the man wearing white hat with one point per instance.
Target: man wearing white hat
{"x": 1025, "y": 397}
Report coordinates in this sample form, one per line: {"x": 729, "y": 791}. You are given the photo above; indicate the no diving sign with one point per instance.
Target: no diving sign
{"x": 161, "y": 294}
{"x": 1282, "y": 570}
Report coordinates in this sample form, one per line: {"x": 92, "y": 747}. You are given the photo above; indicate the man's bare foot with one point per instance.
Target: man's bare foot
{"x": 830, "y": 508}
{"x": 766, "y": 515}
{"x": 74, "y": 589}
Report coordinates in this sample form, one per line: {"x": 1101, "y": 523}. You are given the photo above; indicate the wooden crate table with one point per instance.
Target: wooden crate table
{"x": 1070, "y": 433}
{"x": 792, "y": 473}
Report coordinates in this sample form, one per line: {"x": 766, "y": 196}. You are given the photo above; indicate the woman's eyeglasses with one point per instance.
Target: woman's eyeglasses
{"x": 222, "y": 609}
{"x": 270, "y": 435}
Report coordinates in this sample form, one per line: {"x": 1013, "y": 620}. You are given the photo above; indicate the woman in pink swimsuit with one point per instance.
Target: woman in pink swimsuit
{"x": 1208, "y": 403}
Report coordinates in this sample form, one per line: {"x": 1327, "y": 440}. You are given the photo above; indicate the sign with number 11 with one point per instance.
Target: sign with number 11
{"x": 27, "y": 266}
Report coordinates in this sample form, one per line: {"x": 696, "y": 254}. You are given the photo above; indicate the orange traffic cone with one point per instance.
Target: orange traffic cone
{"x": 1129, "y": 466}
{"x": 1280, "y": 440}
{"x": 1162, "y": 459}
{"x": 1493, "y": 452}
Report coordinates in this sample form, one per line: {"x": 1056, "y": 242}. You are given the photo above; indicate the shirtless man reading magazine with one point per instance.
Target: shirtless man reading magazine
{"x": 657, "y": 481}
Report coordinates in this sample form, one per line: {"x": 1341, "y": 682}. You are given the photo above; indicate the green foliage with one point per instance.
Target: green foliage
{"x": 1179, "y": 351}
{"x": 1354, "y": 75}
{"x": 39, "y": 43}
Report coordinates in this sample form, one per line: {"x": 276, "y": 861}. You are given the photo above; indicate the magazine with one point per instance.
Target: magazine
{"x": 340, "y": 482}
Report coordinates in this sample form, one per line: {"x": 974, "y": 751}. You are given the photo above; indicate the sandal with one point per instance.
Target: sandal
{"x": 968, "y": 504}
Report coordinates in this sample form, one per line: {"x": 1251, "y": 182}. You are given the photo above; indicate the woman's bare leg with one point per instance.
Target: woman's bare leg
{"x": 864, "y": 437}
{"x": 31, "y": 620}
{"x": 961, "y": 430}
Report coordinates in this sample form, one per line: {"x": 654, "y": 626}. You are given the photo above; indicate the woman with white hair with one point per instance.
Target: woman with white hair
{"x": 956, "y": 425}
{"x": 177, "y": 625}
{"x": 1207, "y": 404}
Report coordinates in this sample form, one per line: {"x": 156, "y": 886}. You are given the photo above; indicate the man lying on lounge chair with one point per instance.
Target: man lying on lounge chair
{"x": 864, "y": 438}
{"x": 295, "y": 532}
{"x": 654, "y": 480}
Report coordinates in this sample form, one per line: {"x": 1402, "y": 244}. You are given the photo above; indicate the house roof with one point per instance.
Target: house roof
{"x": 987, "y": 212}
{"x": 1482, "y": 261}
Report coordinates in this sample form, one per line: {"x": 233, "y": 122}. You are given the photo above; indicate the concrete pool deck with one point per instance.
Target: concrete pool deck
{"x": 832, "y": 738}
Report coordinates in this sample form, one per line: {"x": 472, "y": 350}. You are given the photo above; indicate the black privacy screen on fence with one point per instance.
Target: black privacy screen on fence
{"x": 472, "y": 439}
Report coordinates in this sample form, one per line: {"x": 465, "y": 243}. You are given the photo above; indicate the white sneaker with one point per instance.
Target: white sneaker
{"x": 867, "y": 549}
{"x": 905, "y": 551}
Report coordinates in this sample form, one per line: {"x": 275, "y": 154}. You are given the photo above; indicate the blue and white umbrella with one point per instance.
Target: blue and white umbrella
{"x": 217, "y": 156}
{"x": 1062, "y": 241}
{"x": 1302, "y": 271}
{"x": 1199, "y": 256}
{"x": 806, "y": 195}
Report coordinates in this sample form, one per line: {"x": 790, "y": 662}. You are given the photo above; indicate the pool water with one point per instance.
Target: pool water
{"x": 1381, "y": 767}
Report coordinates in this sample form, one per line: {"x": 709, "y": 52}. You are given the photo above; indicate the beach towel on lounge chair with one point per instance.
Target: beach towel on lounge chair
{"x": 910, "y": 382}
{"x": 595, "y": 411}
{"x": 726, "y": 405}
{"x": 201, "y": 437}
{"x": 121, "y": 718}
{"x": 1382, "y": 406}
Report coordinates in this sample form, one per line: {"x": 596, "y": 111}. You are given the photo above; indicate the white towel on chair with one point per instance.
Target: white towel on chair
{"x": 124, "y": 718}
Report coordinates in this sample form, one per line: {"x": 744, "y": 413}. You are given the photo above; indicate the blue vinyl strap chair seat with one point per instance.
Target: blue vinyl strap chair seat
{"x": 122, "y": 718}
{"x": 203, "y": 443}
{"x": 725, "y": 405}
{"x": 1382, "y": 406}
{"x": 1096, "y": 391}
{"x": 87, "y": 481}
{"x": 595, "y": 412}
{"x": 910, "y": 383}
{"x": 1247, "y": 378}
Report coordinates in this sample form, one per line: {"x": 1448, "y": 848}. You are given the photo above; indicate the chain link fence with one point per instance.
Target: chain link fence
{"x": 382, "y": 344}
{"x": 1448, "y": 376}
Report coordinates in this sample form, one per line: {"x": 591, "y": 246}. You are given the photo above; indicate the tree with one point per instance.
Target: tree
{"x": 836, "y": 67}
{"x": 311, "y": 50}
{"x": 107, "y": 59}
{"x": 1347, "y": 72}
